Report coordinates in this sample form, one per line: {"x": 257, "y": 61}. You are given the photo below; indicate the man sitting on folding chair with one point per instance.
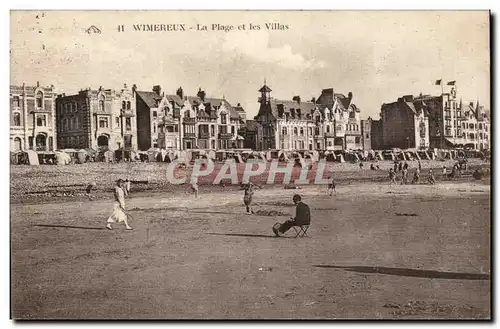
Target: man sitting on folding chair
{"x": 301, "y": 221}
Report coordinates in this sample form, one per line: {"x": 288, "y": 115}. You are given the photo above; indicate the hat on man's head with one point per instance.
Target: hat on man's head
{"x": 119, "y": 181}
{"x": 297, "y": 197}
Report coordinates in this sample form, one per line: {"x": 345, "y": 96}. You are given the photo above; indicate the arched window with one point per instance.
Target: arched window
{"x": 101, "y": 102}
{"x": 301, "y": 131}
{"x": 327, "y": 129}
{"x": 17, "y": 144}
{"x": 295, "y": 131}
{"x": 124, "y": 105}
{"x": 310, "y": 131}
{"x": 128, "y": 105}
{"x": 17, "y": 118}
{"x": 480, "y": 126}
{"x": 39, "y": 99}
{"x": 284, "y": 131}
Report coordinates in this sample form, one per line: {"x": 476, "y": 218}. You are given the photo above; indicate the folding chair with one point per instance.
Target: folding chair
{"x": 301, "y": 231}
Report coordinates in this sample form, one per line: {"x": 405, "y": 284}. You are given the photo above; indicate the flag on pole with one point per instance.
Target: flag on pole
{"x": 451, "y": 83}
{"x": 438, "y": 82}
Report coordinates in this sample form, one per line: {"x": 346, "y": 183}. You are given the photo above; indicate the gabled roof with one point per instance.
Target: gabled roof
{"x": 150, "y": 98}
{"x": 265, "y": 89}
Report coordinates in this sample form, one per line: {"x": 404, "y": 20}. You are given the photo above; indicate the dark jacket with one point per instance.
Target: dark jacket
{"x": 302, "y": 214}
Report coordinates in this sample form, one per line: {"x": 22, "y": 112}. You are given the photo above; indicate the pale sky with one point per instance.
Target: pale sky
{"x": 378, "y": 56}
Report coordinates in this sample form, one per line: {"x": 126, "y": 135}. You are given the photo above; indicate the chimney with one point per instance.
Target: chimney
{"x": 201, "y": 94}
{"x": 38, "y": 83}
{"x": 180, "y": 93}
{"x": 239, "y": 105}
{"x": 134, "y": 88}
{"x": 349, "y": 97}
{"x": 157, "y": 89}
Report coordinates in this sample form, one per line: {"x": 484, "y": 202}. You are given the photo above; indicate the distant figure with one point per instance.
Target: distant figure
{"x": 431, "y": 179}
{"x": 395, "y": 166}
{"x": 302, "y": 217}
{"x": 404, "y": 177}
{"x": 331, "y": 186}
{"x": 405, "y": 166}
{"x": 444, "y": 172}
{"x": 416, "y": 177}
{"x": 361, "y": 165}
{"x": 247, "y": 199}
{"x": 89, "y": 190}
{"x": 118, "y": 214}
{"x": 400, "y": 167}
{"x": 195, "y": 188}
{"x": 372, "y": 167}
{"x": 419, "y": 166}
{"x": 126, "y": 187}
{"x": 392, "y": 176}
{"x": 378, "y": 167}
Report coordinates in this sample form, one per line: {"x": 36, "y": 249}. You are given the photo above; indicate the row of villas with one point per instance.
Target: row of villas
{"x": 130, "y": 119}
{"x": 427, "y": 121}
{"x": 126, "y": 119}
{"x": 330, "y": 122}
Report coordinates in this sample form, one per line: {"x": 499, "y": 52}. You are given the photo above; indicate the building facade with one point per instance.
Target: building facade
{"x": 332, "y": 122}
{"x": 101, "y": 119}
{"x": 32, "y": 118}
{"x": 187, "y": 122}
{"x": 405, "y": 124}
{"x": 366, "y": 134}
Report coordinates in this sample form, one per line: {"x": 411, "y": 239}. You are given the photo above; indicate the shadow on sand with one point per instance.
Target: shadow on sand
{"x": 410, "y": 272}
{"x": 69, "y": 226}
{"x": 248, "y": 235}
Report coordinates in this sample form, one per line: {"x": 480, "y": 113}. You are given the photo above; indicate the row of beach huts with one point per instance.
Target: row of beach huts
{"x": 300, "y": 157}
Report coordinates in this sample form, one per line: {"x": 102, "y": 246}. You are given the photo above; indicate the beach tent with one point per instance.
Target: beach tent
{"x": 283, "y": 156}
{"x": 63, "y": 158}
{"x": 109, "y": 156}
{"x": 340, "y": 158}
{"x": 273, "y": 154}
{"x": 82, "y": 155}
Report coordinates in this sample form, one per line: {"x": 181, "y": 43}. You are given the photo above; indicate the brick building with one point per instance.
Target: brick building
{"x": 101, "y": 119}
{"x": 32, "y": 118}
{"x": 405, "y": 124}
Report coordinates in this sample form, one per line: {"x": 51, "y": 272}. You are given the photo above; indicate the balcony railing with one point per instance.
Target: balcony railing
{"x": 330, "y": 134}
{"x": 127, "y": 113}
{"x": 225, "y": 135}
{"x": 189, "y": 135}
{"x": 204, "y": 135}
{"x": 188, "y": 120}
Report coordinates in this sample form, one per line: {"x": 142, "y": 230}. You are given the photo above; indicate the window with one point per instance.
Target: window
{"x": 301, "y": 131}
{"x": 480, "y": 126}
{"x": 17, "y": 119}
{"x": 77, "y": 123}
{"x": 17, "y": 144}
{"x": 30, "y": 142}
{"x": 39, "y": 99}
{"x": 232, "y": 130}
{"x": 310, "y": 131}
{"x": 471, "y": 126}
{"x": 283, "y": 131}
{"x": 155, "y": 114}
{"x": 101, "y": 103}
{"x": 41, "y": 120}
{"x": 128, "y": 106}
{"x": 75, "y": 106}
{"x": 339, "y": 128}
{"x": 16, "y": 101}
{"x": 295, "y": 132}
{"x": 212, "y": 130}
{"x": 154, "y": 128}
{"x": 223, "y": 118}
{"x": 329, "y": 143}
{"x": 327, "y": 129}
{"x": 187, "y": 114}
{"x": 367, "y": 136}
{"x": 357, "y": 140}
{"x": 117, "y": 122}
{"x": 445, "y": 104}
{"x": 128, "y": 124}
{"x": 103, "y": 122}
{"x": 124, "y": 105}
{"x": 316, "y": 131}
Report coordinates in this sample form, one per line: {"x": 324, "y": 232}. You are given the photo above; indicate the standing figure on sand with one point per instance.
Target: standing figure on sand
{"x": 247, "y": 198}
{"x": 119, "y": 215}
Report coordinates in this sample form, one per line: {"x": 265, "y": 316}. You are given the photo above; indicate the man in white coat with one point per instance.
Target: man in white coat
{"x": 118, "y": 214}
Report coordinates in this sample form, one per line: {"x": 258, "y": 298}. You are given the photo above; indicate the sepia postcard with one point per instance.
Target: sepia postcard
{"x": 243, "y": 165}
